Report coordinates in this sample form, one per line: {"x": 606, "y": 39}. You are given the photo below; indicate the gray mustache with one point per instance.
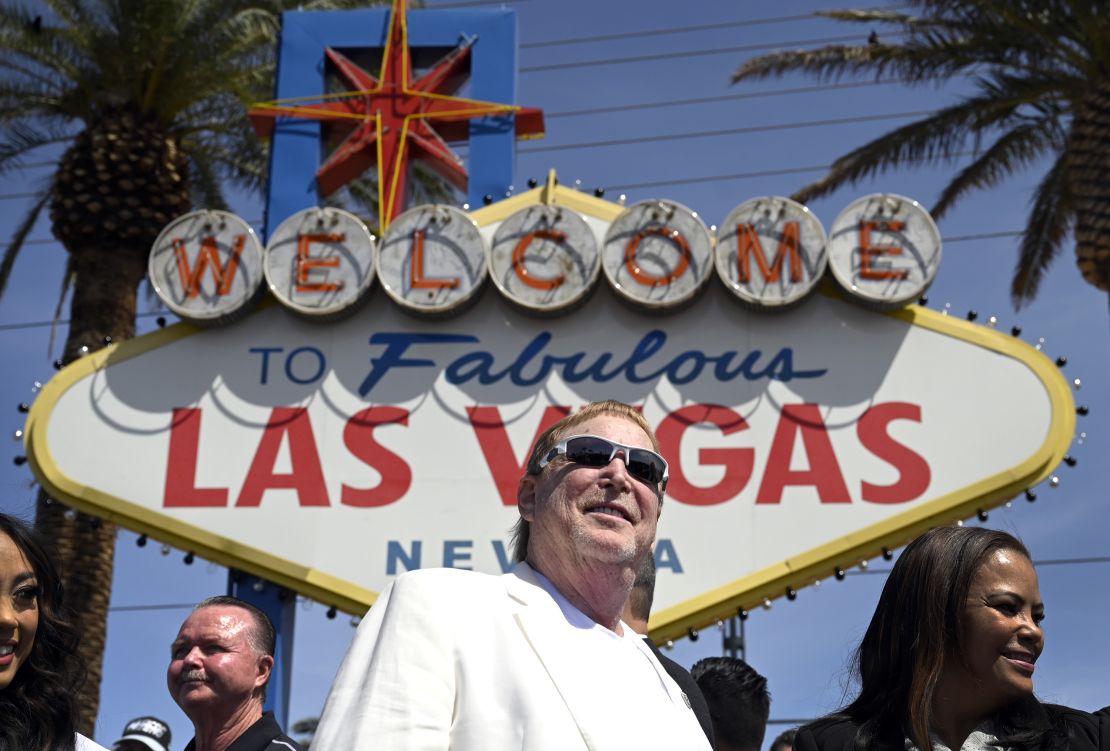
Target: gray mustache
{"x": 193, "y": 675}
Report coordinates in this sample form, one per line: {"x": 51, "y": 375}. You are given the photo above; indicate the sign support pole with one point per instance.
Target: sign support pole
{"x": 735, "y": 645}
{"x": 280, "y": 604}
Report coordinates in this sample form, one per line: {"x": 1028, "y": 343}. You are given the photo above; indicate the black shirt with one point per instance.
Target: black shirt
{"x": 264, "y": 735}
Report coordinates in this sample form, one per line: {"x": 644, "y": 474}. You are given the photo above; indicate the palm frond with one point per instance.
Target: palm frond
{"x": 20, "y": 237}
{"x": 1014, "y": 149}
{"x": 69, "y": 277}
{"x": 19, "y": 138}
{"x": 932, "y": 139}
{"x": 1050, "y": 220}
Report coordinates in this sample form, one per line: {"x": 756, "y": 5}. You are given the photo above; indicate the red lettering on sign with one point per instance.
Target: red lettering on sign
{"x": 914, "y": 472}
{"x": 181, "y": 464}
{"x": 416, "y": 268}
{"x": 824, "y": 470}
{"x": 738, "y": 462}
{"x": 494, "y": 440}
{"x": 643, "y": 277}
{"x": 307, "y": 263}
{"x": 526, "y": 276}
{"x": 358, "y": 436}
{"x": 307, "y": 477}
{"x": 209, "y": 255}
{"x": 868, "y": 252}
{"x": 789, "y": 247}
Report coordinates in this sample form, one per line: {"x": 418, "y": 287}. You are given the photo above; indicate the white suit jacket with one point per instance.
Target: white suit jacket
{"x": 450, "y": 659}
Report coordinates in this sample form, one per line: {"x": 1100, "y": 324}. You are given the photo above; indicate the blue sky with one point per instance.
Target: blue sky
{"x": 776, "y": 140}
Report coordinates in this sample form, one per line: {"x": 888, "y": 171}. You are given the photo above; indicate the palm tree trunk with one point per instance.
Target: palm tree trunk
{"x": 83, "y": 547}
{"x": 1089, "y": 156}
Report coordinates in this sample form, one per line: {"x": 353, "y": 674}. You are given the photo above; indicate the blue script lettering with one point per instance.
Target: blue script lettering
{"x": 533, "y": 366}
{"x": 395, "y": 346}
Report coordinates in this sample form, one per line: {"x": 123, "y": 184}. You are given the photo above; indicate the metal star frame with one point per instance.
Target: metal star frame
{"x": 396, "y": 119}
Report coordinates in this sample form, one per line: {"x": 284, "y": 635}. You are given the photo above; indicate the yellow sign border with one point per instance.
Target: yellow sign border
{"x": 680, "y": 620}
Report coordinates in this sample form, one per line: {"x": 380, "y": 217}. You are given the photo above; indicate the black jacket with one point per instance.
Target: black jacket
{"x": 1086, "y": 731}
{"x": 689, "y": 687}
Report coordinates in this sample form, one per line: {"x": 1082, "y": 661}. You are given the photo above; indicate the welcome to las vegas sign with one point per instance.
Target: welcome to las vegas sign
{"x": 328, "y": 457}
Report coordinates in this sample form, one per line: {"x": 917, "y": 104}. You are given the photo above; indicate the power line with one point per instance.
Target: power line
{"x": 690, "y": 53}
{"x": 471, "y": 4}
{"x": 725, "y": 132}
{"x": 757, "y": 173}
{"x": 664, "y": 32}
{"x": 139, "y": 608}
{"x": 60, "y": 322}
{"x": 721, "y": 98}
{"x": 680, "y": 29}
{"x": 1042, "y": 562}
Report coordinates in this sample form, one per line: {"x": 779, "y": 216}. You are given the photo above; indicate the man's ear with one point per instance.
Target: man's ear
{"x": 526, "y": 496}
{"x": 265, "y": 667}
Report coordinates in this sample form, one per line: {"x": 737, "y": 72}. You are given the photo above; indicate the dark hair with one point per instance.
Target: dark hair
{"x": 38, "y": 707}
{"x": 547, "y": 440}
{"x": 262, "y": 638}
{"x": 784, "y": 739}
{"x": 643, "y": 589}
{"x": 738, "y": 700}
{"x": 917, "y": 622}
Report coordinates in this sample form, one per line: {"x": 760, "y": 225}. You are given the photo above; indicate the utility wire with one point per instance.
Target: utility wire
{"x": 657, "y": 104}
{"x": 694, "y": 53}
{"x": 758, "y": 173}
{"x": 1047, "y": 562}
{"x": 1036, "y": 563}
{"x": 137, "y": 608}
{"x": 65, "y": 321}
{"x": 725, "y": 132}
{"x": 680, "y": 29}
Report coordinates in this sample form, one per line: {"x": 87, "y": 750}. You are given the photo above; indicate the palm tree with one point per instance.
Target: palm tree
{"x": 1040, "y": 75}
{"x": 149, "y": 97}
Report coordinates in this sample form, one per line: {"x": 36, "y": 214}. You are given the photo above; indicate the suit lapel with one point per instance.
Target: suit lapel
{"x": 541, "y": 621}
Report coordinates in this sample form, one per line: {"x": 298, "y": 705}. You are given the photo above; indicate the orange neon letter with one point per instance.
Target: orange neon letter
{"x": 868, "y": 252}
{"x": 748, "y": 243}
{"x": 642, "y": 276}
{"x": 307, "y": 263}
{"x": 521, "y": 270}
{"x": 416, "y": 269}
{"x": 209, "y": 255}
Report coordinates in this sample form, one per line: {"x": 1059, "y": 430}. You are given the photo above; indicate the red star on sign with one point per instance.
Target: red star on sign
{"x": 397, "y": 119}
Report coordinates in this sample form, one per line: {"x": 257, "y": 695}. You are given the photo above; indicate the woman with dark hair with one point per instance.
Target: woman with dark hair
{"x": 948, "y": 659}
{"x": 39, "y": 667}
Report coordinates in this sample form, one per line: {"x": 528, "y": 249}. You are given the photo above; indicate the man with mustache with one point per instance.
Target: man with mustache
{"x": 538, "y": 659}
{"x": 220, "y": 664}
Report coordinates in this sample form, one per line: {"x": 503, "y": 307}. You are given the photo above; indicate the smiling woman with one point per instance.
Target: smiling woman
{"x": 39, "y": 667}
{"x": 948, "y": 659}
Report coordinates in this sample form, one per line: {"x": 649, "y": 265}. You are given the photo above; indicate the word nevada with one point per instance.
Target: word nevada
{"x": 770, "y": 252}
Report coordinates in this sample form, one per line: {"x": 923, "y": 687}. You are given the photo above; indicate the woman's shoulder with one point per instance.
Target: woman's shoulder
{"x": 81, "y": 743}
{"x": 1083, "y": 728}
{"x": 827, "y": 734}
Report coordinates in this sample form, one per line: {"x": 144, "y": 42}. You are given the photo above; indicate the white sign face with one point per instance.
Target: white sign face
{"x": 544, "y": 258}
{"x": 771, "y": 252}
{"x": 320, "y": 262}
{"x": 657, "y": 254}
{"x": 432, "y": 260}
{"x": 331, "y": 458}
{"x": 207, "y": 266}
{"x": 884, "y": 249}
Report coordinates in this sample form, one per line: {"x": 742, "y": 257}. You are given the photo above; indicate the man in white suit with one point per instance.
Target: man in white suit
{"x": 537, "y": 659}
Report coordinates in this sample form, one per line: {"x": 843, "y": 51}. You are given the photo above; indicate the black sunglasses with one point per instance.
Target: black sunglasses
{"x": 594, "y": 451}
